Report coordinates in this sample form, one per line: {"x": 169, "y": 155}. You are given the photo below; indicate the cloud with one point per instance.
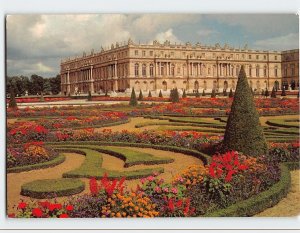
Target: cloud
{"x": 167, "y": 35}
{"x": 286, "y": 42}
{"x": 206, "y": 32}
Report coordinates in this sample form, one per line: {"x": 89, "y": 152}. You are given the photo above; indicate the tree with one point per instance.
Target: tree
{"x": 46, "y": 86}
{"x": 243, "y": 130}
{"x": 283, "y": 92}
{"x": 55, "y": 84}
{"x": 160, "y": 94}
{"x": 203, "y": 93}
{"x": 141, "y": 96}
{"x": 133, "y": 100}
{"x": 183, "y": 94}
{"x": 42, "y": 99}
{"x": 273, "y": 93}
{"x": 197, "y": 94}
{"x": 267, "y": 93}
{"x": 213, "y": 94}
{"x": 149, "y": 95}
{"x": 230, "y": 93}
{"x": 37, "y": 84}
{"x": 12, "y": 99}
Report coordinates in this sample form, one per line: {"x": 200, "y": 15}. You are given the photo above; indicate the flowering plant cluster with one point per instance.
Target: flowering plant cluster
{"x": 284, "y": 152}
{"x": 28, "y": 153}
{"x": 36, "y": 99}
{"x": 42, "y": 209}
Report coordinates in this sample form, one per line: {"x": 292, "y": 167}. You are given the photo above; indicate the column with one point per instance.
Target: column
{"x": 92, "y": 80}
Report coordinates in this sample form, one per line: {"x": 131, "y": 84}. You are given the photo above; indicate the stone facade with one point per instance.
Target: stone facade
{"x": 165, "y": 66}
{"x": 290, "y": 69}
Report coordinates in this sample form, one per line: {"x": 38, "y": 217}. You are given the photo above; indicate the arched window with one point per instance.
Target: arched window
{"x": 196, "y": 85}
{"x": 265, "y": 71}
{"x": 151, "y": 70}
{"x": 165, "y": 87}
{"x": 204, "y": 85}
{"x": 257, "y": 85}
{"x": 162, "y": 69}
{"x": 250, "y": 71}
{"x": 144, "y": 70}
{"x": 136, "y": 69}
{"x": 225, "y": 85}
{"x": 172, "y": 70}
{"x": 257, "y": 71}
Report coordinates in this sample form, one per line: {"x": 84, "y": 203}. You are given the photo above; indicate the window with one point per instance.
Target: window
{"x": 184, "y": 54}
{"x": 250, "y": 71}
{"x": 136, "y": 69}
{"x": 243, "y": 56}
{"x": 136, "y": 52}
{"x": 173, "y": 70}
{"x": 265, "y": 71}
{"x": 249, "y": 56}
{"x": 151, "y": 53}
{"x": 144, "y": 70}
{"x": 285, "y": 70}
{"x": 178, "y": 70}
{"x": 237, "y": 56}
{"x": 144, "y": 53}
{"x": 214, "y": 55}
{"x": 231, "y": 55}
{"x": 151, "y": 70}
{"x": 275, "y": 71}
{"x": 162, "y": 69}
{"x": 162, "y": 52}
{"x": 293, "y": 70}
{"x": 257, "y": 71}
{"x": 257, "y": 57}
{"x": 275, "y": 57}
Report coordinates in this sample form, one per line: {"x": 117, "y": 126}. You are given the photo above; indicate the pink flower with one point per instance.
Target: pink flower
{"x": 150, "y": 178}
{"x": 157, "y": 189}
{"x": 174, "y": 190}
{"x": 165, "y": 189}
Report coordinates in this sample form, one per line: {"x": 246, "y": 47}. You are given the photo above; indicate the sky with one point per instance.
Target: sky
{"x": 35, "y": 44}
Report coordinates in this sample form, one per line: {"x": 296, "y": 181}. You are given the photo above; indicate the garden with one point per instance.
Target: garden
{"x": 195, "y": 157}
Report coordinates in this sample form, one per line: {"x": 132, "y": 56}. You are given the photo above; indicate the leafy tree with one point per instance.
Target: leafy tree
{"x": 141, "y": 96}
{"x": 213, "y": 94}
{"x": 183, "y": 94}
{"x": 243, "y": 130}
{"x": 273, "y": 93}
{"x": 149, "y": 95}
{"x": 12, "y": 100}
{"x": 197, "y": 94}
{"x": 230, "y": 93}
{"x": 283, "y": 92}
{"x": 133, "y": 100}
{"x": 203, "y": 93}
{"x": 160, "y": 94}
{"x": 55, "y": 84}
{"x": 46, "y": 86}
{"x": 36, "y": 85}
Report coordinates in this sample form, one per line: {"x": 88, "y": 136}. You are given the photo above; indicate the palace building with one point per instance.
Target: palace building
{"x": 290, "y": 69}
{"x": 164, "y": 66}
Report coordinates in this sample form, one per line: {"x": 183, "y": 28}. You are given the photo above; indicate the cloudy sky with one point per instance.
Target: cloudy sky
{"x": 36, "y": 43}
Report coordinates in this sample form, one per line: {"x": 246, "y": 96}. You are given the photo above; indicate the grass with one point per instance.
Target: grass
{"x": 285, "y": 123}
{"x": 92, "y": 166}
{"x": 51, "y": 188}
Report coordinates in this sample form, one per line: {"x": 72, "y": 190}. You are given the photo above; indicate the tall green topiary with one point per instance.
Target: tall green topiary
{"x": 230, "y": 93}
{"x": 133, "y": 100}
{"x": 184, "y": 94}
{"x": 267, "y": 93}
{"x": 141, "y": 96}
{"x": 160, "y": 94}
{"x": 243, "y": 130}
{"x": 283, "y": 92}
{"x": 175, "y": 96}
{"x": 149, "y": 95}
{"x": 262, "y": 92}
{"x": 203, "y": 93}
{"x": 12, "y": 100}
{"x": 273, "y": 93}
{"x": 213, "y": 94}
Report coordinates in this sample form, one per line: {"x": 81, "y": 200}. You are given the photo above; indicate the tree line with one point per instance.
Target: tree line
{"x": 35, "y": 85}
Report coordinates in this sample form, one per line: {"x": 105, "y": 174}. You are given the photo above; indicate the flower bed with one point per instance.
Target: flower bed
{"x": 38, "y": 99}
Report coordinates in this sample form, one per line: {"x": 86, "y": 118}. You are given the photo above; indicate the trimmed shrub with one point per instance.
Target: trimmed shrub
{"x": 213, "y": 94}
{"x": 12, "y": 100}
{"x": 262, "y": 93}
{"x": 184, "y": 94}
{"x": 51, "y": 188}
{"x": 149, "y": 95}
{"x": 174, "y": 96}
{"x": 267, "y": 93}
{"x": 243, "y": 130}
{"x": 283, "y": 92}
{"x": 230, "y": 94}
{"x": 273, "y": 93}
{"x": 133, "y": 100}
{"x": 197, "y": 94}
{"x": 160, "y": 94}
{"x": 203, "y": 93}
{"x": 140, "y": 96}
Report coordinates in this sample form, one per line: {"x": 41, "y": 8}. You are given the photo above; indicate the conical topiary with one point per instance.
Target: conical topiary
{"x": 283, "y": 92}
{"x": 262, "y": 92}
{"x": 273, "y": 93}
{"x": 213, "y": 94}
{"x": 160, "y": 94}
{"x": 133, "y": 100}
{"x": 140, "y": 96}
{"x": 203, "y": 93}
{"x": 267, "y": 93}
{"x": 197, "y": 94}
{"x": 149, "y": 95}
{"x": 184, "y": 94}
{"x": 230, "y": 93}
{"x": 175, "y": 96}
{"x": 12, "y": 99}
{"x": 243, "y": 130}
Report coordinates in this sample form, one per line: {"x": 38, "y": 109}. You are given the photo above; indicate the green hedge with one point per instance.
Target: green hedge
{"x": 261, "y": 201}
{"x": 51, "y": 188}
{"x": 51, "y": 163}
{"x": 205, "y": 158}
{"x": 283, "y": 123}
